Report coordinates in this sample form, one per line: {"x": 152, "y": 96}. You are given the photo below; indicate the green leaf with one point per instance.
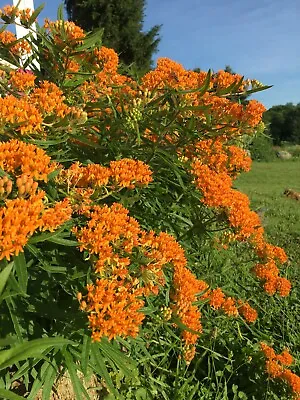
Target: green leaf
{"x": 49, "y": 382}
{"x": 60, "y": 12}
{"x": 123, "y": 362}
{"x": 63, "y": 242}
{"x": 21, "y": 270}
{"x": 206, "y": 84}
{"x": 30, "y": 349}
{"x": 77, "y": 385}
{"x": 4, "y": 275}
{"x": 85, "y": 353}
{"x": 35, "y": 14}
{"x": 91, "y": 40}
{"x": 44, "y": 236}
{"x": 259, "y": 89}
{"x": 8, "y": 395}
{"x": 100, "y": 368}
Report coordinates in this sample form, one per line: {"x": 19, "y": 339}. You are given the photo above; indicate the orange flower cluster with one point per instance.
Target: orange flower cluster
{"x": 236, "y": 118}
{"x": 269, "y": 272}
{"x": 107, "y": 59}
{"x": 127, "y": 172}
{"x": 223, "y": 80}
{"x": 160, "y": 250}
{"x": 22, "y": 80}
{"x": 219, "y": 156}
{"x": 20, "y": 218}
{"x": 123, "y": 173}
{"x": 112, "y": 235}
{"x": 21, "y": 158}
{"x": 275, "y": 366}
{"x": 65, "y": 33}
{"x": 108, "y": 227}
{"x": 230, "y": 306}
{"x": 214, "y": 166}
{"x": 114, "y": 309}
{"x": 49, "y": 99}
{"x": 12, "y": 11}
{"x": 54, "y": 217}
{"x": 186, "y": 289}
{"x": 23, "y": 116}
{"x": 172, "y": 74}
{"x": 7, "y": 38}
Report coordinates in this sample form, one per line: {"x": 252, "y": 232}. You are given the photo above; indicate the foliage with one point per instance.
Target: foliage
{"x": 122, "y": 21}
{"x": 126, "y": 251}
{"x": 283, "y": 123}
{"x": 261, "y": 149}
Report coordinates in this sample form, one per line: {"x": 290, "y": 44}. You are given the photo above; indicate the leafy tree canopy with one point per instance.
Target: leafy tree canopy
{"x": 122, "y": 21}
{"x": 283, "y": 123}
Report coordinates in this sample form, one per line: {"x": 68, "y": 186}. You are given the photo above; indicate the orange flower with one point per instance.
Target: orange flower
{"x": 21, "y": 114}
{"x": 229, "y": 307}
{"x": 114, "y": 309}
{"x": 187, "y": 287}
{"x": 49, "y": 99}
{"x": 21, "y": 80}
{"x": 275, "y": 366}
{"x": 249, "y": 313}
{"x": 217, "y": 298}
{"x": 54, "y": 217}
{"x": 128, "y": 173}
{"x": 18, "y": 157}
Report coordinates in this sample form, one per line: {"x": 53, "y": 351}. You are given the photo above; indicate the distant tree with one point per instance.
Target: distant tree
{"x": 122, "y": 21}
{"x": 283, "y": 123}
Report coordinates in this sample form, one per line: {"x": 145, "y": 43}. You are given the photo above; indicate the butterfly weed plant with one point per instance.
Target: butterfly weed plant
{"x": 126, "y": 251}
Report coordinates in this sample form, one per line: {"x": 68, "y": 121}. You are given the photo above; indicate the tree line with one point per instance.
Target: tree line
{"x": 283, "y": 123}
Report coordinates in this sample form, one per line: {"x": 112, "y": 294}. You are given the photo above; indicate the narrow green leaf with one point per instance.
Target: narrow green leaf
{"x": 85, "y": 353}
{"x": 50, "y": 378}
{"x": 60, "y": 12}
{"x": 206, "y": 84}
{"x": 35, "y": 14}
{"x": 63, "y": 242}
{"x": 13, "y": 315}
{"x": 100, "y": 368}
{"x": 30, "y": 349}
{"x": 123, "y": 362}
{"x": 44, "y": 236}
{"x": 4, "y": 275}
{"x": 77, "y": 385}
{"x": 8, "y": 395}
{"x": 21, "y": 270}
{"x": 92, "y": 39}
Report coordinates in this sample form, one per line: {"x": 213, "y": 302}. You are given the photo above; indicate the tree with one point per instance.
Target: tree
{"x": 283, "y": 123}
{"x": 122, "y": 21}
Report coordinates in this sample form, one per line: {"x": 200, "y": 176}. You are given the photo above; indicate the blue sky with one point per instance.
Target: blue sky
{"x": 257, "y": 38}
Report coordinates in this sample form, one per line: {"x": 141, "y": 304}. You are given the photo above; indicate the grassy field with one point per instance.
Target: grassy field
{"x": 265, "y": 185}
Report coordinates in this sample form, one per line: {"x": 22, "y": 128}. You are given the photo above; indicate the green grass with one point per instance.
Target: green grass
{"x": 280, "y": 215}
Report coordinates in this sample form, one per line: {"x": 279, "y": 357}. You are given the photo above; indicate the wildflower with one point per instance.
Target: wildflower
{"x": 127, "y": 172}
{"x": 217, "y": 298}
{"x": 114, "y": 309}
{"x": 249, "y": 313}
{"x": 54, "y": 217}
{"x": 18, "y": 157}
{"x": 21, "y": 114}
{"x": 21, "y": 80}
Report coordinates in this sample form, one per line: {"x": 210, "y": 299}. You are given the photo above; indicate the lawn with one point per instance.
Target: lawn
{"x": 280, "y": 215}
